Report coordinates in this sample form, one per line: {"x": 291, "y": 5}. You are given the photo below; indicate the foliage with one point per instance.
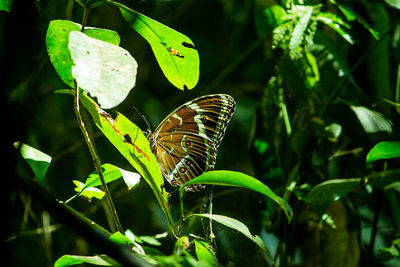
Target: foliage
{"x": 307, "y": 174}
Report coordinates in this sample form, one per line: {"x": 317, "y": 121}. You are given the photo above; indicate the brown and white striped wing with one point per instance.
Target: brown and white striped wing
{"x": 185, "y": 143}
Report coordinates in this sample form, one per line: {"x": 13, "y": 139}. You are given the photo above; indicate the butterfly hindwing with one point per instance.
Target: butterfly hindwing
{"x": 185, "y": 143}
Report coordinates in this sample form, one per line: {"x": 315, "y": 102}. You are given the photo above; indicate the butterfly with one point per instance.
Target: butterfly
{"x": 186, "y": 141}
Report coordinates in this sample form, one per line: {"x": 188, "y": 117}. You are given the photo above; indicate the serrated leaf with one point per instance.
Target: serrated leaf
{"x": 105, "y": 71}
{"x": 37, "y": 160}
{"x": 175, "y": 52}
{"x": 238, "y": 226}
{"x": 57, "y": 38}
{"x": 384, "y": 150}
{"x": 231, "y": 178}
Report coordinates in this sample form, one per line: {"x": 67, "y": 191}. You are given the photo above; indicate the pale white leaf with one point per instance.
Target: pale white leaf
{"x": 105, "y": 71}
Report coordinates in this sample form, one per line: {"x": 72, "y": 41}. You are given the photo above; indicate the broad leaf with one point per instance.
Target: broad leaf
{"x": 384, "y": 150}
{"x": 129, "y": 140}
{"x": 238, "y": 226}
{"x": 372, "y": 121}
{"x": 175, "y": 52}
{"x": 68, "y": 260}
{"x": 38, "y": 160}
{"x": 323, "y": 194}
{"x": 57, "y": 38}
{"x": 111, "y": 173}
{"x": 204, "y": 253}
{"x": 393, "y": 3}
{"x": 231, "y": 178}
{"x": 6, "y": 5}
{"x": 105, "y": 71}
{"x": 88, "y": 192}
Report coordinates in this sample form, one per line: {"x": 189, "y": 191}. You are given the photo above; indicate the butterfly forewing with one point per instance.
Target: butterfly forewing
{"x": 185, "y": 143}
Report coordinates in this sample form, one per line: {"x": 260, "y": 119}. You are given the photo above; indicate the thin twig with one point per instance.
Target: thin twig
{"x": 338, "y": 87}
{"x": 96, "y": 160}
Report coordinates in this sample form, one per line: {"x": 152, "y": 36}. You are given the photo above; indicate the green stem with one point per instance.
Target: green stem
{"x": 285, "y": 114}
{"x": 339, "y": 87}
{"x": 86, "y": 10}
{"x": 96, "y": 160}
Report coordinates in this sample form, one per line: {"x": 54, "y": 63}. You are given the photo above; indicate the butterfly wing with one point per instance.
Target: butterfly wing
{"x": 185, "y": 143}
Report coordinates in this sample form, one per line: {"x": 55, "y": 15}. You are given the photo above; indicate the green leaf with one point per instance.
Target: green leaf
{"x": 6, "y": 5}
{"x": 393, "y": 3}
{"x": 112, "y": 173}
{"x": 231, "y": 178}
{"x": 57, "y": 38}
{"x": 69, "y": 260}
{"x": 372, "y": 121}
{"x": 238, "y": 226}
{"x": 119, "y": 238}
{"x": 323, "y": 194}
{"x": 299, "y": 30}
{"x": 105, "y": 71}
{"x": 205, "y": 253}
{"x": 129, "y": 140}
{"x": 38, "y": 160}
{"x": 336, "y": 24}
{"x": 266, "y": 19}
{"x": 352, "y": 16}
{"x": 88, "y": 192}
{"x": 384, "y": 150}
{"x": 175, "y": 52}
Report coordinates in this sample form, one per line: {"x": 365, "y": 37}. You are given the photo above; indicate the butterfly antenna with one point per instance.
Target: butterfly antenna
{"x": 148, "y": 131}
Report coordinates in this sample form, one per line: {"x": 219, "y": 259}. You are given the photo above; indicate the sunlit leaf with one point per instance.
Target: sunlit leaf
{"x": 384, "y": 150}
{"x": 88, "y": 192}
{"x": 204, "y": 253}
{"x": 372, "y": 121}
{"x": 231, "y": 178}
{"x": 69, "y": 260}
{"x": 111, "y": 173}
{"x": 129, "y": 140}
{"x": 6, "y": 5}
{"x": 119, "y": 238}
{"x": 57, "y": 38}
{"x": 38, "y": 160}
{"x": 352, "y": 16}
{"x": 105, "y": 71}
{"x": 175, "y": 52}
{"x": 336, "y": 24}
{"x": 393, "y": 3}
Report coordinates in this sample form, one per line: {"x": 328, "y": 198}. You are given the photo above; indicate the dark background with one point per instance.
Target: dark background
{"x": 233, "y": 60}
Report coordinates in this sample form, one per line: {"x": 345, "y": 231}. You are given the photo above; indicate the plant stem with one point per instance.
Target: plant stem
{"x": 86, "y": 10}
{"x": 375, "y": 221}
{"x": 96, "y": 160}
{"x": 338, "y": 87}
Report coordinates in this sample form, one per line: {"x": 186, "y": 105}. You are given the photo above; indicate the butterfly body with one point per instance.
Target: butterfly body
{"x": 185, "y": 143}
